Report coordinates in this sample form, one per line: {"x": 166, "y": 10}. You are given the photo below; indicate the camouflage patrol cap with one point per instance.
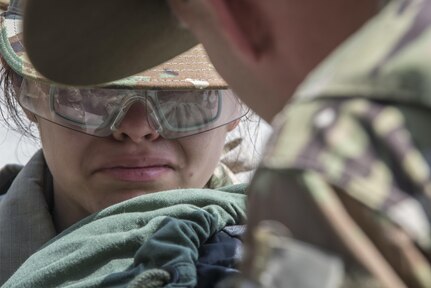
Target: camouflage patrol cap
{"x": 190, "y": 69}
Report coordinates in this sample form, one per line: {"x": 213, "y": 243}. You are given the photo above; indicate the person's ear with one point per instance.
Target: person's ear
{"x": 244, "y": 24}
{"x": 232, "y": 125}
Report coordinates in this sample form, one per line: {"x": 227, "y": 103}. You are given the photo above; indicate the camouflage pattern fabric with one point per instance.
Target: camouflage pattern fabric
{"x": 348, "y": 167}
{"x": 221, "y": 177}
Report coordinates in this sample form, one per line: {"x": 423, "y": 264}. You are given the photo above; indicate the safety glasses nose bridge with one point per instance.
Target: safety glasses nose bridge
{"x": 128, "y": 102}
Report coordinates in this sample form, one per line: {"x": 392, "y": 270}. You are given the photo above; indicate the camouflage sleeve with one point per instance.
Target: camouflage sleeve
{"x": 354, "y": 182}
{"x": 376, "y": 252}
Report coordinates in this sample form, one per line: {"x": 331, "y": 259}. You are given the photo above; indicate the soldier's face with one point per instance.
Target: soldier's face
{"x": 91, "y": 173}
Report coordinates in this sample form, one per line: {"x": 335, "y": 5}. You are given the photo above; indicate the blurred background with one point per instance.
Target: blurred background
{"x": 14, "y": 148}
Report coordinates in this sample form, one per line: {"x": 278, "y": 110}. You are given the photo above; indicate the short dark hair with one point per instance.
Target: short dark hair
{"x": 12, "y": 115}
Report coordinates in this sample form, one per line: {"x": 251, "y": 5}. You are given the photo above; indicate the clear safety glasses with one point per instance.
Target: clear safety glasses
{"x": 99, "y": 111}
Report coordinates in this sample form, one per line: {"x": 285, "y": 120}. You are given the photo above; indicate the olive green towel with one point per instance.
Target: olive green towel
{"x": 143, "y": 242}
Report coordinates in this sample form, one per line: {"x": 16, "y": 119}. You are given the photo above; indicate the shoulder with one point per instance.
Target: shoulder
{"x": 7, "y": 175}
{"x": 10, "y": 173}
{"x": 399, "y": 37}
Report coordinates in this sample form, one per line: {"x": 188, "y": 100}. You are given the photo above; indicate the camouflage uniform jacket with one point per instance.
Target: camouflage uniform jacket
{"x": 348, "y": 167}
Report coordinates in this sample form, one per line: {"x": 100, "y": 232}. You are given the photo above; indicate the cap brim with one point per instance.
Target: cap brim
{"x": 189, "y": 70}
{"x": 90, "y": 42}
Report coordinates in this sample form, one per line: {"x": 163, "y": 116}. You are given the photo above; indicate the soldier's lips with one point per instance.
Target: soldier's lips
{"x": 137, "y": 174}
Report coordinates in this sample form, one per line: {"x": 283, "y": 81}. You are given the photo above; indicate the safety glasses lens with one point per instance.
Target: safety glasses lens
{"x": 99, "y": 111}
{"x": 187, "y": 110}
{"x": 90, "y": 107}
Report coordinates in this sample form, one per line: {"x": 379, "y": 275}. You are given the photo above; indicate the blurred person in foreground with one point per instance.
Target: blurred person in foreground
{"x": 347, "y": 171}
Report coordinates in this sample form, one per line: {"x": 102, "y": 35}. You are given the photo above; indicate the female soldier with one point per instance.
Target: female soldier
{"x": 160, "y": 130}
